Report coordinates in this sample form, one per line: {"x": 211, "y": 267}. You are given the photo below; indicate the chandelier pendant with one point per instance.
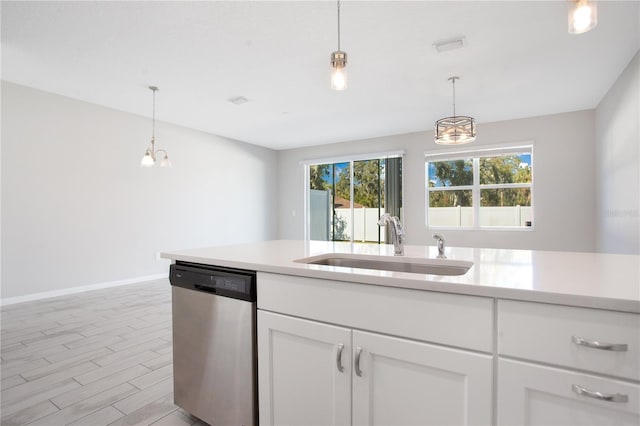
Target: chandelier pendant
{"x": 457, "y": 129}
{"x": 149, "y": 157}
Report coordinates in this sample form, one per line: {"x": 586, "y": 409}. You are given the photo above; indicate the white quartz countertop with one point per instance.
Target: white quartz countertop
{"x": 592, "y": 280}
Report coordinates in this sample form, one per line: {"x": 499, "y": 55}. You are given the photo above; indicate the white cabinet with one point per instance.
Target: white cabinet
{"x": 395, "y": 381}
{"x": 403, "y": 382}
{"x": 557, "y": 365}
{"x": 530, "y": 394}
{"x": 298, "y": 378}
{"x": 413, "y": 357}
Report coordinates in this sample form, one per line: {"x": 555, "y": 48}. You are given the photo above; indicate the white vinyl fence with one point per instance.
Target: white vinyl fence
{"x": 365, "y": 223}
{"x": 489, "y": 216}
{"x": 365, "y": 220}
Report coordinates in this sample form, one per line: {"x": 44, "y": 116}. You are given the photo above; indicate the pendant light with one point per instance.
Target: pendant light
{"x": 149, "y": 158}
{"x": 583, "y": 16}
{"x": 455, "y": 130}
{"x": 338, "y": 64}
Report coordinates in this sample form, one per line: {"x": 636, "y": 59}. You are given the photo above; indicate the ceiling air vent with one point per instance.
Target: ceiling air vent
{"x": 449, "y": 44}
{"x": 238, "y": 100}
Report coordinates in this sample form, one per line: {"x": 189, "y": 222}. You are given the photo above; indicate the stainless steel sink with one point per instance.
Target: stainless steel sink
{"x": 388, "y": 263}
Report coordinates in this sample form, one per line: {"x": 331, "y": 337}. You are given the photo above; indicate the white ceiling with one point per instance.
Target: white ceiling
{"x": 519, "y": 61}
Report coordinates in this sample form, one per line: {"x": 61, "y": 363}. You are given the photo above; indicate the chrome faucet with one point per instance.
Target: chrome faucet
{"x": 397, "y": 232}
{"x": 441, "y": 241}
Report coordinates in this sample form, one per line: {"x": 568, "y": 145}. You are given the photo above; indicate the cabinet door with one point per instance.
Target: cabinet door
{"x": 402, "y": 382}
{"x": 530, "y": 394}
{"x": 299, "y": 380}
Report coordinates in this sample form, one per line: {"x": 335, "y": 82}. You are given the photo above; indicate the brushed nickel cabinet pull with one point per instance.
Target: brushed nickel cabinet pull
{"x": 610, "y": 397}
{"x": 339, "y": 358}
{"x": 616, "y": 347}
{"x": 357, "y": 362}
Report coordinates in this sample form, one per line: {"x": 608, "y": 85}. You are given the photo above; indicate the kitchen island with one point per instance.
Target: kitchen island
{"x": 524, "y": 337}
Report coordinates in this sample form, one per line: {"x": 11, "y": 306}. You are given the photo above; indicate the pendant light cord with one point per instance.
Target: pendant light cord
{"x": 338, "y": 25}
{"x": 453, "y": 80}
{"x": 153, "y": 131}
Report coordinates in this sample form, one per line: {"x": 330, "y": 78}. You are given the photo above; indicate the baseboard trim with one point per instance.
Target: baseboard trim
{"x": 80, "y": 289}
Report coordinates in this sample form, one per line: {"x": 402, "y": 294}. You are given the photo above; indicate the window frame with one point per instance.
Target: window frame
{"x": 474, "y": 155}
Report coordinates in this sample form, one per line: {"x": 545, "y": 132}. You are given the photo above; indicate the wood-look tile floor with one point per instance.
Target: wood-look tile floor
{"x": 102, "y": 357}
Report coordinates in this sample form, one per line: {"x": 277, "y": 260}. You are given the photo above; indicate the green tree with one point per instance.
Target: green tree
{"x": 451, "y": 173}
{"x": 368, "y": 188}
{"x": 454, "y": 173}
{"x": 493, "y": 170}
{"x": 504, "y": 170}
{"x": 343, "y": 182}
{"x": 317, "y": 175}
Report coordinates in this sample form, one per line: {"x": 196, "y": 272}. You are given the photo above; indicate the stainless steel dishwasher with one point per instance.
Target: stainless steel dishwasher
{"x": 214, "y": 343}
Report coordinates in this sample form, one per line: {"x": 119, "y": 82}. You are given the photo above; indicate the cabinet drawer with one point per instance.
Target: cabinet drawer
{"x": 456, "y": 320}
{"x": 551, "y": 333}
{"x": 530, "y": 394}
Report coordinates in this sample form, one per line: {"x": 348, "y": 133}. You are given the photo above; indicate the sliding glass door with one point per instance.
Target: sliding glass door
{"x": 347, "y": 198}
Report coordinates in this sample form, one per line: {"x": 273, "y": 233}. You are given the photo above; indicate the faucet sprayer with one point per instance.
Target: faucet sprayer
{"x": 441, "y": 241}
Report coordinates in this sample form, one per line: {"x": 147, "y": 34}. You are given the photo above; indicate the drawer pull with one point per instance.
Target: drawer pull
{"x": 617, "y": 397}
{"x": 357, "y": 362}
{"x": 339, "y": 357}
{"x": 616, "y": 347}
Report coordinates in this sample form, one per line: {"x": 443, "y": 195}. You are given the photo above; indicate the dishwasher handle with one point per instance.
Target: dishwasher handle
{"x": 208, "y": 289}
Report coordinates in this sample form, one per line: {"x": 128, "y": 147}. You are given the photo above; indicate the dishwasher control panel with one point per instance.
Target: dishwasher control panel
{"x": 236, "y": 283}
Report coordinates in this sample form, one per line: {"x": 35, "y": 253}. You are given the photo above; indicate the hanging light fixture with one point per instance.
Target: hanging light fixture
{"x": 338, "y": 64}
{"x": 583, "y": 16}
{"x": 455, "y": 130}
{"x": 149, "y": 158}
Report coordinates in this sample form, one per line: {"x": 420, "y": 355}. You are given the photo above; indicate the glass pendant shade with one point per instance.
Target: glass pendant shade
{"x": 165, "y": 162}
{"x": 338, "y": 70}
{"x": 455, "y": 130}
{"x": 147, "y": 159}
{"x": 583, "y": 16}
{"x": 338, "y": 63}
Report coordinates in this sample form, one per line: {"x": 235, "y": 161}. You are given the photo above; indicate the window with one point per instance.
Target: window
{"x": 481, "y": 189}
{"x": 345, "y": 198}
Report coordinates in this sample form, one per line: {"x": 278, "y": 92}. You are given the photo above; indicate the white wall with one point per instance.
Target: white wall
{"x": 564, "y": 181}
{"x": 77, "y": 208}
{"x": 618, "y": 164}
